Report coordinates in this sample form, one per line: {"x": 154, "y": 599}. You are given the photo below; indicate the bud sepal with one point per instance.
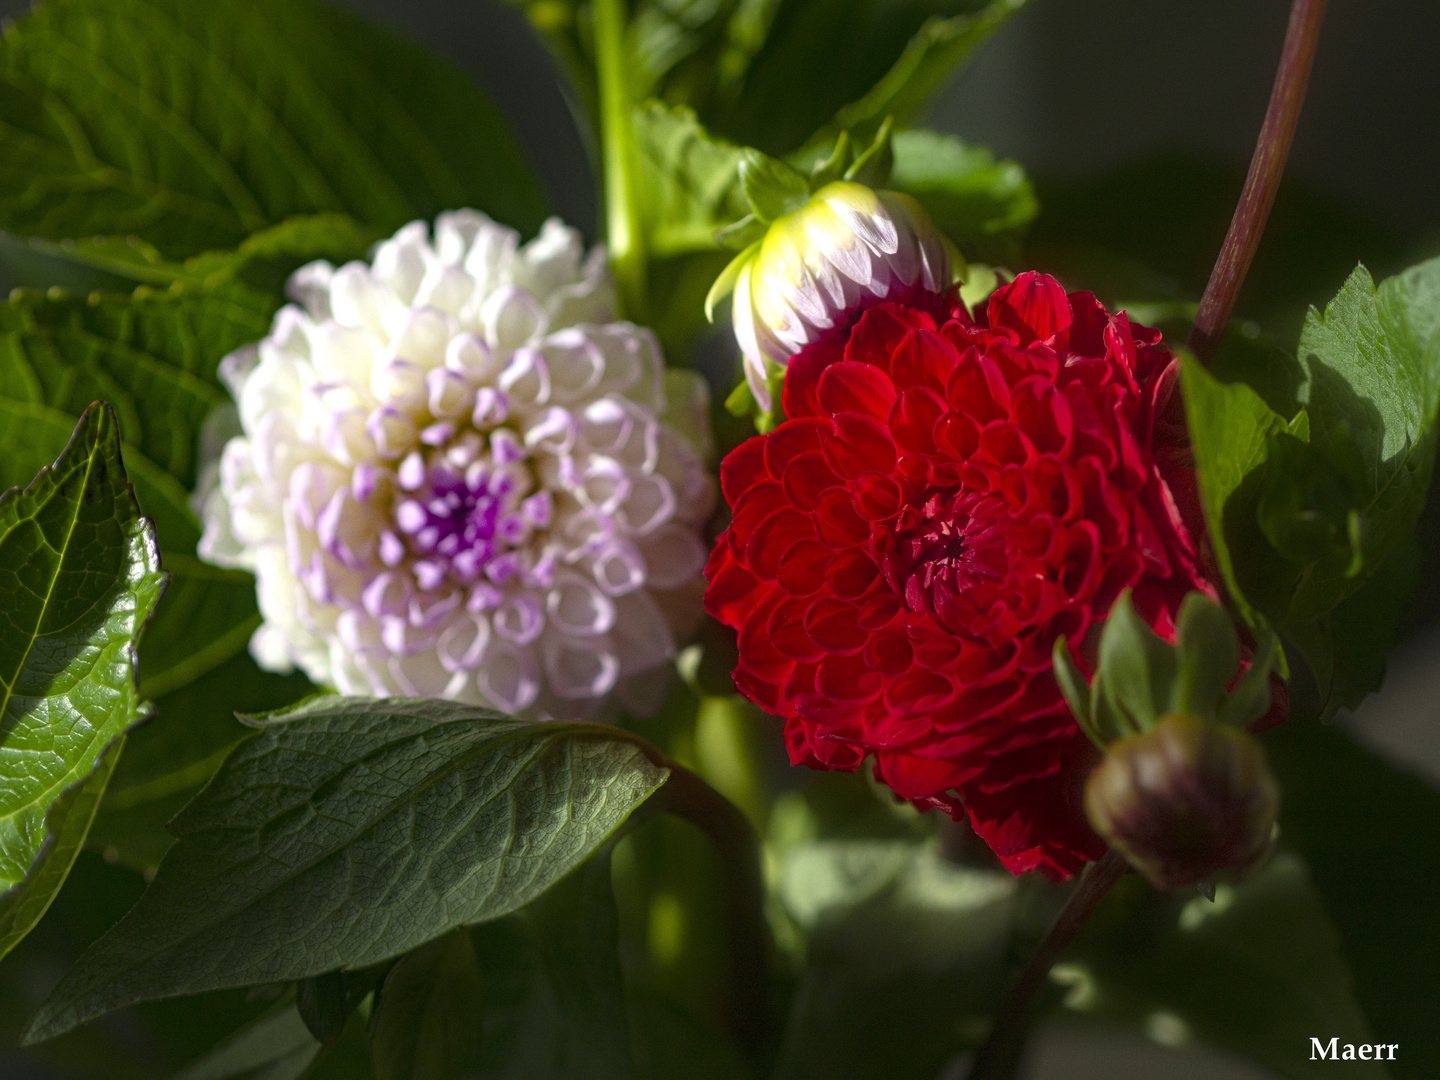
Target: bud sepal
{"x": 1141, "y": 678}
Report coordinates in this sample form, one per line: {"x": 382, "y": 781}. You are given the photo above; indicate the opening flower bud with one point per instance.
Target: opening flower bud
{"x": 848, "y": 249}
{"x": 1185, "y": 801}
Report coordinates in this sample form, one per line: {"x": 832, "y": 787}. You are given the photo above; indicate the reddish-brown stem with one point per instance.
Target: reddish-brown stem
{"x": 999, "y": 1058}
{"x": 1266, "y": 168}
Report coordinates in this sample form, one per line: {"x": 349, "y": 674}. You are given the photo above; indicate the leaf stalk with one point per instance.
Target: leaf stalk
{"x": 738, "y": 847}
{"x": 999, "y": 1058}
{"x": 1266, "y": 168}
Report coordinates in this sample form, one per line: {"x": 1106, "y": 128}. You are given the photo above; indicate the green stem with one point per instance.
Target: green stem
{"x": 738, "y": 849}
{"x": 1263, "y": 181}
{"x": 624, "y": 235}
{"x": 999, "y": 1058}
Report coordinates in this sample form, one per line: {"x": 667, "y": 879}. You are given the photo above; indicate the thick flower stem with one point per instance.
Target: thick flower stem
{"x": 1266, "y": 168}
{"x": 621, "y": 173}
{"x": 738, "y": 850}
{"x": 999, "y": 1058}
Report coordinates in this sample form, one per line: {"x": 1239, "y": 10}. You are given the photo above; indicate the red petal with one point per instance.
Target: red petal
{"x": 851, "y": 387}
{"x": 876, "y": 497}
{"x": 802, "y": 377}
{"x": 806, "y": 478}
{"x": 1033, "y": 305}
{"x": 889, "y": 653}
{"x": 834, "y": 626}
{"x": 837, "y": 521}
{"x": 773, "y": 537}
{"x": 848, "y": 681}
{"x": 790, "y": 440}
{"x": 858, "y": 443}
{"x": 923, "y": 358}
{"x": 742, "y": 468}
{"x": 802, "y": 568}
{"x": 913, "y": 418}
{"x": 1042, "y": 412}
{"x": 852, "y": 573}
{"x": 880, "y": 330}
{"x": 977, "y": 389}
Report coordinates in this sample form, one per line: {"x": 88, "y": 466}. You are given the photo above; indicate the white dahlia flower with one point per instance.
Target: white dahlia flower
{"x": 457, "y": 476}
{"x": 847, "y": 248}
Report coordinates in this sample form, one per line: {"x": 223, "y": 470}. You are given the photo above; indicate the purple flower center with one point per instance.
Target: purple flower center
{"x": 464, "y": 524}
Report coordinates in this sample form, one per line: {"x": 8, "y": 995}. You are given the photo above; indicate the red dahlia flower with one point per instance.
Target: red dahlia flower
{"x": 948, "y": 495}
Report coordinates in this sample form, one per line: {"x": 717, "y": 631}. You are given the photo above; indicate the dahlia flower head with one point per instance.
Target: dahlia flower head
{"x": 847, "y": 248}
{"x": 949, "y": 494}
{"x": 457, "y": 476}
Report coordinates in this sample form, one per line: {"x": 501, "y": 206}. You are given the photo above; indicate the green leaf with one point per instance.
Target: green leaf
{"x": 400, "y": 818}
{"x": 1346, "y": 648}
{"x": 772, "y": 188}
{"x": 1371, "y": 835}
{"x": 1371, "y": 386}
{"x": 555, "y": 1001}
{"x": 426, "y": 1024}
{"x": 983, "y": 205}
{"x": 119, "y": 263}
{"x": 1301, "y": 515}
{"x": 905, "y": 958}
{"x": 673, "y": 1043}
{"x": 873, "y": 165}
{"x": 154, "y": 355}
{"x": 324, "y": 1006}
{"x": 832, "y": 65}
{"x": 1258, "y": 972}
{"x": 278, "y": 1046}
{"x": 194, "y": 125}
{"x": 169, "y": 758}
{"x": 67, "y": 822}
{"x": 79, "y": 576}
{"x": 1231, "y": 429}
{"x": 930, "y": 60}
{"x": 692, "y": 180}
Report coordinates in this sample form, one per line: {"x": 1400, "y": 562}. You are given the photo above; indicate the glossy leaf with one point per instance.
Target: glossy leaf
{"x": 349, "y": 831}
{"x": 67, "y": 823}
{"x": 154, "y": 355}
{"x": 79, "y": 575}
{"x": 194, "y": 125}
{"x": 426, "y": 1024}
{"x": 555, "y": 1001}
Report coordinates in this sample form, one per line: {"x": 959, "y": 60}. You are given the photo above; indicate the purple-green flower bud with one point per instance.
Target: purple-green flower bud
{"x": 1185, "y": 801}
